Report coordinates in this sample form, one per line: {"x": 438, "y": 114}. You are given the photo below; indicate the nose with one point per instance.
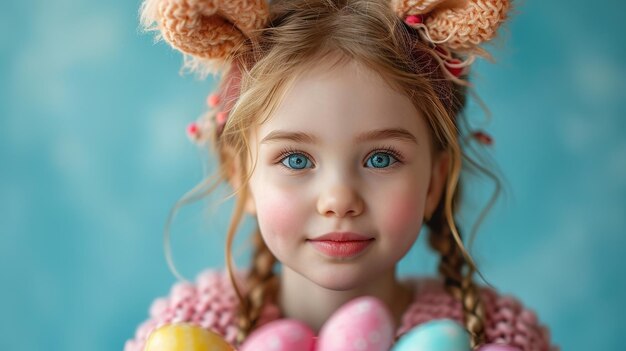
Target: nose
{"x": 340, "y": 200}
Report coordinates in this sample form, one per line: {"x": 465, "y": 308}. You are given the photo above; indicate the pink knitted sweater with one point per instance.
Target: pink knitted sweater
{"x": 211, "y": 303}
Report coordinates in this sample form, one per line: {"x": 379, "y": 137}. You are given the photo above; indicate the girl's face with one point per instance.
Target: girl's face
{"x": 344, "y": 152}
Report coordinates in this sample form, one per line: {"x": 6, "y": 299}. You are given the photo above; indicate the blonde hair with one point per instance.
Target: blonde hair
{"x": 299, "y": 34}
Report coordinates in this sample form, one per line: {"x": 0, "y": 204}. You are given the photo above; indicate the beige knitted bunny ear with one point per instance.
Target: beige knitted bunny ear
{"x": 206, "y": 31}
{"x": 457, "y": 24}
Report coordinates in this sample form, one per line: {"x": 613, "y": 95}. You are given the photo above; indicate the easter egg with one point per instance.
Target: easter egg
{"x": 436, "y": 335}
{"x": 185, "y": 337}
{"x": 498, "y": 347}
{"x": 280, "y": 335}
{"x": 363, "y": 324}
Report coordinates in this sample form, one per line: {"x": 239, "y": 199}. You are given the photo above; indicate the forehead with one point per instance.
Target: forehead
{"x": 336, "y": 102}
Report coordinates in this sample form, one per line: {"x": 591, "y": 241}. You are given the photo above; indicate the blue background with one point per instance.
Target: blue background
{"x": 93, "y": 155}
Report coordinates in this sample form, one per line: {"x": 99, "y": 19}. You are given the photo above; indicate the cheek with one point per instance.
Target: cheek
{"x": 278, "y": 214}
{"x": 403, "y": 214}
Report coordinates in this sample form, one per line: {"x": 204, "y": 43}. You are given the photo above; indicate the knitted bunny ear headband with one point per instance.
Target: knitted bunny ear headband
{"x": 207, "y": 31}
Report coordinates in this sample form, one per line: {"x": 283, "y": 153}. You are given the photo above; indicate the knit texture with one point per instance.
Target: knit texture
{"x": 463, "y": 25}
{"x": 212, "y": 302}
{"x": 205, "y": 28}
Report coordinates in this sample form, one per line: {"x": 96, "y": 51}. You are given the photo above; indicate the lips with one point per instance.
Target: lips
{"x": 342, "y": 236}
{"x": 341, "y": 245}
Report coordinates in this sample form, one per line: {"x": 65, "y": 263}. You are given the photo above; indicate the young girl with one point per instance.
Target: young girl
{"x": 339, "y": 125}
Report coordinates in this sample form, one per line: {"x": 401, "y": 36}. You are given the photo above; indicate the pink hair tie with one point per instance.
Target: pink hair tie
{"x": 455, "y": 67}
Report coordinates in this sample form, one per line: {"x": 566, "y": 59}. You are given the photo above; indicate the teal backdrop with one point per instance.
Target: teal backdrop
{"x": 93, "y": 155}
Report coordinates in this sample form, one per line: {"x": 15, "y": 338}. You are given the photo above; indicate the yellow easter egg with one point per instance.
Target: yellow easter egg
{"x": 185, "y": 337}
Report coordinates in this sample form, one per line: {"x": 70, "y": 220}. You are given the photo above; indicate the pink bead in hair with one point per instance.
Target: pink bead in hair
{"x": 221, "y": 117}
{"x": 213, "y": 100}
{"x": 414, "y": 19}
{"x": 193, "y": 130}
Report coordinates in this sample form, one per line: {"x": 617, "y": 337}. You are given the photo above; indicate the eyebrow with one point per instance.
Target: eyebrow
{"x": 378, "y": 134}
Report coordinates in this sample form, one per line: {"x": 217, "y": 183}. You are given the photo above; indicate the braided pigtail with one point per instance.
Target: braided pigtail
{"x": 261, "y": 284}
{"x": 457, "y": 283}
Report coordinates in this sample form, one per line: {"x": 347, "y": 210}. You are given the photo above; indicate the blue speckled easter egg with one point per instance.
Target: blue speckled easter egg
{"x": 436, "y": 335}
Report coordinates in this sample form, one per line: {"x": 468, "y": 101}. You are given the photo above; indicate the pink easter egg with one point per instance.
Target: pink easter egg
{"x": 497, "y": 347}
{"x": 363, "y": 324}
{"x": 280, "y": 335}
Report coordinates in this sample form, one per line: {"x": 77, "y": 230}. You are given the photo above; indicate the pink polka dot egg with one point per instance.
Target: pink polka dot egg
{"x": 363, "y": 324}
{"x": 280, "y": 335}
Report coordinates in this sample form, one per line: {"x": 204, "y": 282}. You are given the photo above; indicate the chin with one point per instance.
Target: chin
{"x": 339, "y": 278}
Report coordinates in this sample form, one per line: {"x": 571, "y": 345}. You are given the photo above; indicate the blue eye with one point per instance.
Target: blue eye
{"x": 380, "y": 160}
{"x": 296, "y": 161}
